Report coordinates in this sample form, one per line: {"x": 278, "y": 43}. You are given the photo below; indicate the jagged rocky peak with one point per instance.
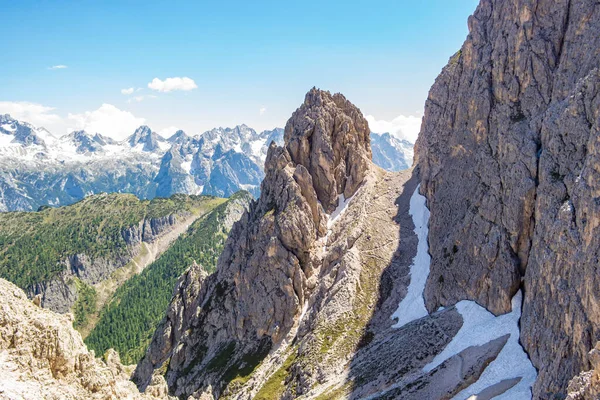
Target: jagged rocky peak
{"x": 84, "y": 142}
{"x": 144, "y": 135}
{"x": 270, "y": 263}
{"x": 178, "y": 137}
{"x": 329, "y": 137}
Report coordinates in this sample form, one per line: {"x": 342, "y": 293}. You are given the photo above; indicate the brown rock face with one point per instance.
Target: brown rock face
{"x": 253, "y": 300}
{"x": 508, "y": 160}
{"x": 329, "y": 136}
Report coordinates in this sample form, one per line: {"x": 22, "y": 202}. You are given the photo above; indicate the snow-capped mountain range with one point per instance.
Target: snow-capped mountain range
{"x": 38, "y": 168}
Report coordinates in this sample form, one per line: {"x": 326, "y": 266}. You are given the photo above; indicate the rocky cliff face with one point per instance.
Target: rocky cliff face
{"x": 509, "y": 165}
{"x": 42, "y": 356}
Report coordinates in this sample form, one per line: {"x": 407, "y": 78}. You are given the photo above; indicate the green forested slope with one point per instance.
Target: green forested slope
{"x": 129, "y": 320}
{"x": 34, "y": 245}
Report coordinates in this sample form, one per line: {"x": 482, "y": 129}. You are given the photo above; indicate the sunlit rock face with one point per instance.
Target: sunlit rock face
{"x": 508, "y": 161}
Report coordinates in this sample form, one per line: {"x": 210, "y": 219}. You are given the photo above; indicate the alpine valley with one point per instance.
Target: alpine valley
{"x": 347, "y": 270}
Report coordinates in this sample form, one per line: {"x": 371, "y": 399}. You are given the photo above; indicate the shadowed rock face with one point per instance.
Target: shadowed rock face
{"x": 508, "y": 160}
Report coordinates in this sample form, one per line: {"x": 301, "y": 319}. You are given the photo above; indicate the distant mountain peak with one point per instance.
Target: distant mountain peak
{"x": 178, "y": 137}
{"x": 218, "y": 162}
{"x": 144, "y": 135}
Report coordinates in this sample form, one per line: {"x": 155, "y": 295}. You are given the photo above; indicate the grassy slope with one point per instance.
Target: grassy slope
{"x": 128, "y": 322}
{"x": 33, "y": 245}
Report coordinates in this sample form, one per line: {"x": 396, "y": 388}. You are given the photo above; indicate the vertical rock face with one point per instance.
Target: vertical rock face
{"x": 268, "y": 267}
{"x": 508, "y": 161}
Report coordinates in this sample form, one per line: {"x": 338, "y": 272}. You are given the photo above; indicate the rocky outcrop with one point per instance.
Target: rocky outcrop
{"x": 586, "y": 385}
{"x": 42, "y": 356}
{"x": 60, "y": 293}
{"x": 507, "y": 157}
{"x": 269, "y": 266}
{"x": 329, "y": 137}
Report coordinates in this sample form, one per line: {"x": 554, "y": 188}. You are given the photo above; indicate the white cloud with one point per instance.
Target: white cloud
{"x": 107, "y": 120}
{"x": 168, "y": 132}
{"x": 262, "y": 110}
{"x": 403, "y": 127}
{"x": 136, "y": 99}
{"x": 127, "y": 91}
{"x": 171, "y": 84}
{"x": 61, "y": 66}
{"x": 35, "y": 114}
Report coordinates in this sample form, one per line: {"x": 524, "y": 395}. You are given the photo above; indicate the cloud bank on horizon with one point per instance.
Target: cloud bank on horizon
{"x": 107, "y": 120}
{"x": 403, "y": 127}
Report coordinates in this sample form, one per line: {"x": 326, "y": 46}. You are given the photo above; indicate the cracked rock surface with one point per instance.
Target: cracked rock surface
{"x": 508, "y": 156}
{"x": 43, "y": 357}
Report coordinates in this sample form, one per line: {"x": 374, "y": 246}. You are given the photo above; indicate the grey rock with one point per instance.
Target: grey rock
{"x": 330, "y": 137}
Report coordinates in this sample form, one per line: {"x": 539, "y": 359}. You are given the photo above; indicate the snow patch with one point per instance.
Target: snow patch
{"x": 5, "y": 140}
{"x": 480, "y": 327}
{"x": 8, "y": 127}
{"x": 412, "y": 307}
{"x": 343, "y": 203}
{"x": 257, "y": 149}
{"x": 163, "y": 146}
{"x": 247, "y": 186}
{"x": 187, "y": 166}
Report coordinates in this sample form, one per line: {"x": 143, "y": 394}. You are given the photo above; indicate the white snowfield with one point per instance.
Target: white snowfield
{"x": 343, "y": 203}
{"x": 479, "y": 325}
{"x": 412, "y": 307}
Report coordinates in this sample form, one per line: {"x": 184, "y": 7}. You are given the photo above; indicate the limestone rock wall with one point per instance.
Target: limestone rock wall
{"x": 269, "y": 265}
{"x": 507, "y": 157}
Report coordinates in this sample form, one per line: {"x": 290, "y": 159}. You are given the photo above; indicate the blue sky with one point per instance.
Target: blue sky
{"x": 250, "y": 62}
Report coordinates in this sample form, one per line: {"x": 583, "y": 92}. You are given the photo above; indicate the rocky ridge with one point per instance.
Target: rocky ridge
{"x": 60, "y": 293}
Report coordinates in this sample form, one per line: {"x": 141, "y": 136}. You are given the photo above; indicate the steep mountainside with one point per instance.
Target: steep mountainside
{"x": 318, "y": 292}
{"x": 74, "y": 256}
{"x": 43, "y": 357}
{"x": 508, "y": 157}
{"x": 129, "y": 320}
{"x": 39, "y": 169}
